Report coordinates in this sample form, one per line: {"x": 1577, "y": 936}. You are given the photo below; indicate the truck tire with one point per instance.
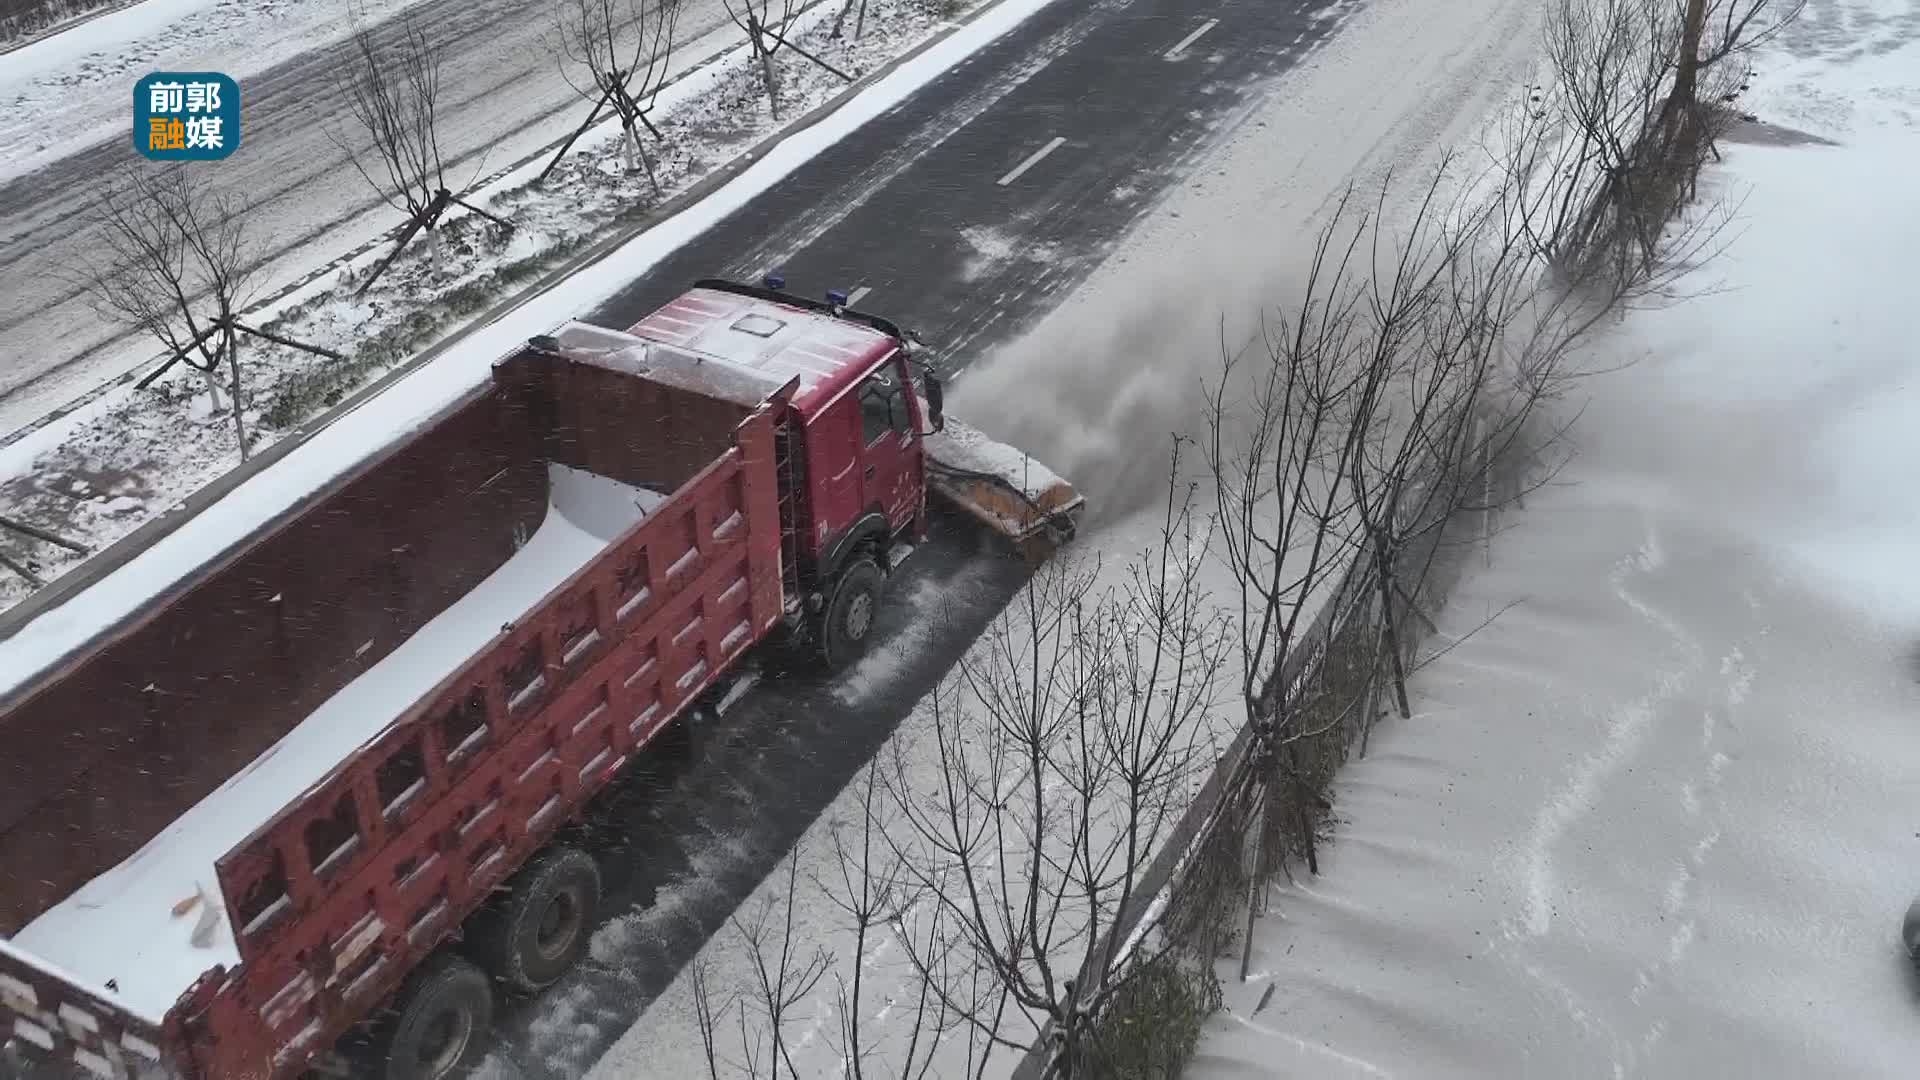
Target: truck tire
{"x": 848, "y": 622}
{"x": 534, "y": 933}
{"x": 438, "y": 1028}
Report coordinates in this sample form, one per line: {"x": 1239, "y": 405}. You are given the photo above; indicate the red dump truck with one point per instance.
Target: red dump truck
{"x": 325, "y": 785}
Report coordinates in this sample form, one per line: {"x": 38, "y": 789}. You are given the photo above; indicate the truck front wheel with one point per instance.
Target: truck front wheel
{"x": 849, "y": 616}
{"x": 439, "y": 1024}
{"x": 543, "y": 923}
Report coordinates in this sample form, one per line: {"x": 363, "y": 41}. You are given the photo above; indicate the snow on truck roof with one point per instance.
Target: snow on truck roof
{"x": 736, "y": 347}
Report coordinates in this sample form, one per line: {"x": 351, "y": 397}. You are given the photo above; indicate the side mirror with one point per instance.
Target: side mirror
{"x": 936, "y": 402}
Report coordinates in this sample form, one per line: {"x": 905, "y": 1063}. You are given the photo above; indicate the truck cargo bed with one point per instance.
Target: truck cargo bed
{"x": 122, "y": 925}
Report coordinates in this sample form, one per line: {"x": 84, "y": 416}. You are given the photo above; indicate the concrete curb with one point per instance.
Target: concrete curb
{"x": 122, "y": 551}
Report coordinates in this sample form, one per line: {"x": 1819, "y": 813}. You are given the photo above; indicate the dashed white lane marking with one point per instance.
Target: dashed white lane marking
{"x": 854, "y": 296}
{"x": 1032, "y": 160}
{"x": 1180, "y": 49}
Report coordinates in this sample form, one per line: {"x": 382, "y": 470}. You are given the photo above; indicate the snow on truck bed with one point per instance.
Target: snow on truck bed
{"x": 121, "y": 925}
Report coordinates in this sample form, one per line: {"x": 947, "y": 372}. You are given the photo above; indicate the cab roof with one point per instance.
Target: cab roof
{"x": 748, "y": 335}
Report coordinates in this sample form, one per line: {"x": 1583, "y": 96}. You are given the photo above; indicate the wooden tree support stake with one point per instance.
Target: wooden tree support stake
{"x": 38, "y": 533}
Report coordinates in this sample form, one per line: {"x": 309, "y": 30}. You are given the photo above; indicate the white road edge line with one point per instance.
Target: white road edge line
{"x": 854, "y": 296}
{"x": 1031, "y": 161}
{"x": 1180, "y": 49}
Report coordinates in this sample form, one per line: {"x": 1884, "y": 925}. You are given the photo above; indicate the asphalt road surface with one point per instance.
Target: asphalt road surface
{"x": 962, "y": 214}
{"x": 503, "y": 97}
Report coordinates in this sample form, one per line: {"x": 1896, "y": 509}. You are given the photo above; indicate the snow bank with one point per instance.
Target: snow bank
{"x": 416, "y": 398}
{"x": 1657, "y": 819}
{"x": 123, "y": 925}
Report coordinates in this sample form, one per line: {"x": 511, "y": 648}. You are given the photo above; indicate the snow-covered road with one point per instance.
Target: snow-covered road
{"x": 63, "y": 106}
{"x": 1662, "y": 818}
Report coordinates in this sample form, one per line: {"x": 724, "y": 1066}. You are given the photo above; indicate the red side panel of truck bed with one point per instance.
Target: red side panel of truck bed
{"x": 471, "y": 781}
{"x": 337, "y": 896}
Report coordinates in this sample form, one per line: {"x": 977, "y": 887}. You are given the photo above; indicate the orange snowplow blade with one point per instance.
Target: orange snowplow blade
{"x": 1004, "y": 488}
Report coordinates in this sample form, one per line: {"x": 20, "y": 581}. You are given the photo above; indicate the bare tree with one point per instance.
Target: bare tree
{"x": 625, "y": 47}
{"x": 995, "y": 847}
{"x": 1714, "y": 31}
{"x": 180, "y": 264}
{"x": 783, "y": 972}
{"x": 1281, "y": 438}
{"x": 870, "y": 889}
{"x": 1611, "y": 62}
{"x": 1634, "y": 107}
{"x": 767, "y": 25}
{"x": 840, "y": 20}
{"x": 1427, "y": 333}
{"x": 393, "y": 93}
{"x": 1066, "y": 741}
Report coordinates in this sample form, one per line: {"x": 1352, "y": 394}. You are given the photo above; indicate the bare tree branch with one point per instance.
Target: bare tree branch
{"x": 624, "y": 49}
{"x": 766, "y": 24}
{"x": 392, "y": 91}
{"x": 179, "y": 264}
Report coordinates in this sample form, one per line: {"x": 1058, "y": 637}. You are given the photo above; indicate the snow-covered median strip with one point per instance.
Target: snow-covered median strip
{"x": 419, "y": 395}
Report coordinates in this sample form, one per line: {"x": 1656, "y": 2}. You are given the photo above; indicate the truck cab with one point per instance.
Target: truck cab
{"x": 853, "y": 470}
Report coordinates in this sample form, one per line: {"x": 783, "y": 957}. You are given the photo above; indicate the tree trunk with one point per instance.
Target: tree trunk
{"x": 1383, "y": 571}
{"x": 234, "y": 392}
{"x": 1686, "y": 77}
{"x": 212, "y": 375}
{"x": 632, "y": 144}
{"x": 1256, "y": 871}
{"x": 767, "y": 77}
{"x": 653, "y": 176}
{"x": 1370, "y": 699}
{"x": 1302, "y": 816}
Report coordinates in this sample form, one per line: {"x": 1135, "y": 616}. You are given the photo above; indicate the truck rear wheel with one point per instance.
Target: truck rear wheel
{"x": 848, "y": 624}
{"x": 541, "y": 926}
{"x": 439, "y": 1025}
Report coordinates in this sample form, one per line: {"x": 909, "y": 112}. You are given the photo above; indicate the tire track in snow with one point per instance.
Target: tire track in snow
{"x": 1737, "y": 676}
{"x": 1627, "y": 730}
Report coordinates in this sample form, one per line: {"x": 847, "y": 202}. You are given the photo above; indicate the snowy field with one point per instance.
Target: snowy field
{"x": 1658, "y": 818}
{"x": 1089, "y": 391}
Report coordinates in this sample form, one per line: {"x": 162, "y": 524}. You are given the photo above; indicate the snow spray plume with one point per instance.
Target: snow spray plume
{"x": 1099, "y": 388}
